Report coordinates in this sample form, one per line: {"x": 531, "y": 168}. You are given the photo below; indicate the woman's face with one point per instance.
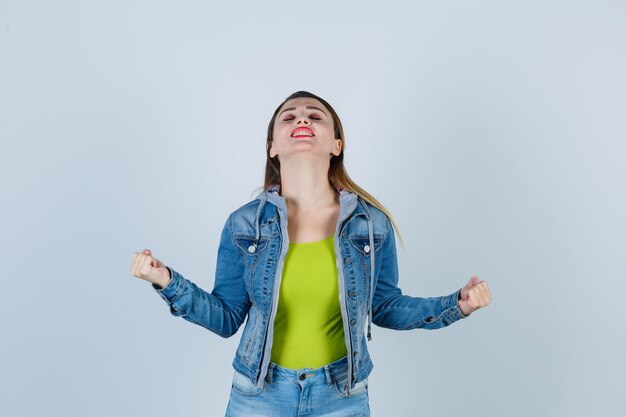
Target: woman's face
{"x": 304, "y": 125}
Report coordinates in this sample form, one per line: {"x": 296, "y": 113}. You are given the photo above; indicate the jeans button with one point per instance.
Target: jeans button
{"x": 351, "y": 293}
{"x": 353, "y": 322}
{"x": 302, "y": 377}
{"x": 348, "y": 261}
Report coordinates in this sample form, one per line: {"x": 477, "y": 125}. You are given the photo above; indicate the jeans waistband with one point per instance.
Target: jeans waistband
{"x": 333, "y": 371}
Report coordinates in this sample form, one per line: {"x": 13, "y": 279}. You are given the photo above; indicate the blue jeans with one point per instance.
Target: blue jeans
{"x": 299, "y": 392}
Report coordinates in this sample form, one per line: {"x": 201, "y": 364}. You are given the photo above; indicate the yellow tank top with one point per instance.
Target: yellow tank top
{"x": 308, "y": 328}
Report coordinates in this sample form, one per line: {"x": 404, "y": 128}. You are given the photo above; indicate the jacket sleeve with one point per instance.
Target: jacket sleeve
{"x": 394, "y": 310}
{"x": 224, "y": 309}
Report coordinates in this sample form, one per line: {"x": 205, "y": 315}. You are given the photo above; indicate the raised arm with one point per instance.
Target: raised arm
{"x": 394, "y": 310}
{"x": 224, "y": 309}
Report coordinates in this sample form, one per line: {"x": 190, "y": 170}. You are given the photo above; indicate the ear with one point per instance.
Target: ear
{"x": 337, "y": 148}
{"x": 271, "y": 152}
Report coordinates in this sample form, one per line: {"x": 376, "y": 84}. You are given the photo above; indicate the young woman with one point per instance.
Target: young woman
{"x": 311, "y": 262}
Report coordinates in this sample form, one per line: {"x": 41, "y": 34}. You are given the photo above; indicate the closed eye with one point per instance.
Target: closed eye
{"x": 286, "y": 119}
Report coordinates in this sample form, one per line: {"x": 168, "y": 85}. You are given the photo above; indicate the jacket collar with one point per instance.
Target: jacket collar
{"x": 347, "y": 199}
{"x": 275, "y": 188}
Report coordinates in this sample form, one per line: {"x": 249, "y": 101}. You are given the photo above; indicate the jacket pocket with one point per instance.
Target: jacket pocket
{"x": 245, "y": 243}
{"x": 362, "y": 244}
{"x": 362, "y": 250}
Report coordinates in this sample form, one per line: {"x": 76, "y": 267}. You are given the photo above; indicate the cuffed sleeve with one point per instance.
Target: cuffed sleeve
{"x": 454, "y": 311}
{"x": 172, "y": 289}
{"x": 172, "y": 292}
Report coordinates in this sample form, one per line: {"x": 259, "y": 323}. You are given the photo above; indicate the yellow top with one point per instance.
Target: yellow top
{"x": 308, "y": 328}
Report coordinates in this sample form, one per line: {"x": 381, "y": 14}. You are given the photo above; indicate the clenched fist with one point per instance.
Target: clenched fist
{"x": 151, "y": 269}
{"x": 474, "y": 295}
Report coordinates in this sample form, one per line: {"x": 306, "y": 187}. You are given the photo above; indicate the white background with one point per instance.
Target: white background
{"x": 492, "y": 130}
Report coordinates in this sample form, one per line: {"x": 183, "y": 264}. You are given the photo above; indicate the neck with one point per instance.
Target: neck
{"x": 305, "y": 185}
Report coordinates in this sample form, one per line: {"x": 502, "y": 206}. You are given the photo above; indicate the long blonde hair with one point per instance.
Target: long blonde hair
{"x": 337, "y": 173}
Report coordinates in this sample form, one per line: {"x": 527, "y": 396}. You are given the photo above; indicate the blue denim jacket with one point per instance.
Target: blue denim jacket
{"x": 251, "y": 254}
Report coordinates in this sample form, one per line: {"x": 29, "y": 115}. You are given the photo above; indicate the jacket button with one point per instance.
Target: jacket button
{"x": 348, "y": 261}
{"x": 351, "y": 293}
{"x": 353, "y": 322}
{"x": 366, "y": 248}
{"x": 251, "y": 248}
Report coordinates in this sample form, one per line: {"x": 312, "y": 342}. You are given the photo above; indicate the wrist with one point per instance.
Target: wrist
{"x": 465, "y": 311}
{"x": 166, "y": 278}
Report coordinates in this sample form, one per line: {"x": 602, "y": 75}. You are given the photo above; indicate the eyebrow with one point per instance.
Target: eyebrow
{"x": 308, "y": 107}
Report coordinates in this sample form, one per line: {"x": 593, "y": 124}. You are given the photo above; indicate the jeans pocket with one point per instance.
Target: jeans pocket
{"x": 340, "y": 387}
{"x": 245, "y": 386}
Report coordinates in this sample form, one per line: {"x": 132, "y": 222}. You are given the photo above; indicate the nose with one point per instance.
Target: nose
{"x": 303, "y": 120}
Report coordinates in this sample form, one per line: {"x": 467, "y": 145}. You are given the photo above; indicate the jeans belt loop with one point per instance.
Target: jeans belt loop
{"x": 329, "y": 378}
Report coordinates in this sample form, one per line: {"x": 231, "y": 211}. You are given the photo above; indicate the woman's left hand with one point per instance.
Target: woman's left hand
{"x": 474, "y": 295}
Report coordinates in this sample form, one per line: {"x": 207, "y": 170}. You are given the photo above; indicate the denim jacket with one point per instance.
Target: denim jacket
{"x": 251, "y": 254}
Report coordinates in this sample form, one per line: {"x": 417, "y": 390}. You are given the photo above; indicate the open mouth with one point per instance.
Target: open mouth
{"x": 302, "y": 132}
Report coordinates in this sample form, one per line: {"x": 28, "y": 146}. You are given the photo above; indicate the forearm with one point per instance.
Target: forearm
{"x": 404, "y": 312}
{"x": 200, "y": 307}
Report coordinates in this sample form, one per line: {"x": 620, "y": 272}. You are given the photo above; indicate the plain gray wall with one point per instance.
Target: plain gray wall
{"x": 493, "y": 131}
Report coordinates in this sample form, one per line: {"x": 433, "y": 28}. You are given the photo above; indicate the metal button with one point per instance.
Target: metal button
{"x": 366, "y": 248}
{"x": 302, "y": 377}
{"x": 348, "y": 261}
{"x": 251, "y": 248}
{"x": 353, "y": 322}
{"x": 352, "y": 293}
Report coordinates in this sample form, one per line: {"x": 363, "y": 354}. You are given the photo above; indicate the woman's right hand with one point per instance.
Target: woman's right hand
{"x": 149, "y": 268}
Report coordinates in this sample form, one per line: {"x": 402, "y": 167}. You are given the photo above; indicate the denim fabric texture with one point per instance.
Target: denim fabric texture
{"x": 251, "y": 254}
{"x": 299, "y": 392}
